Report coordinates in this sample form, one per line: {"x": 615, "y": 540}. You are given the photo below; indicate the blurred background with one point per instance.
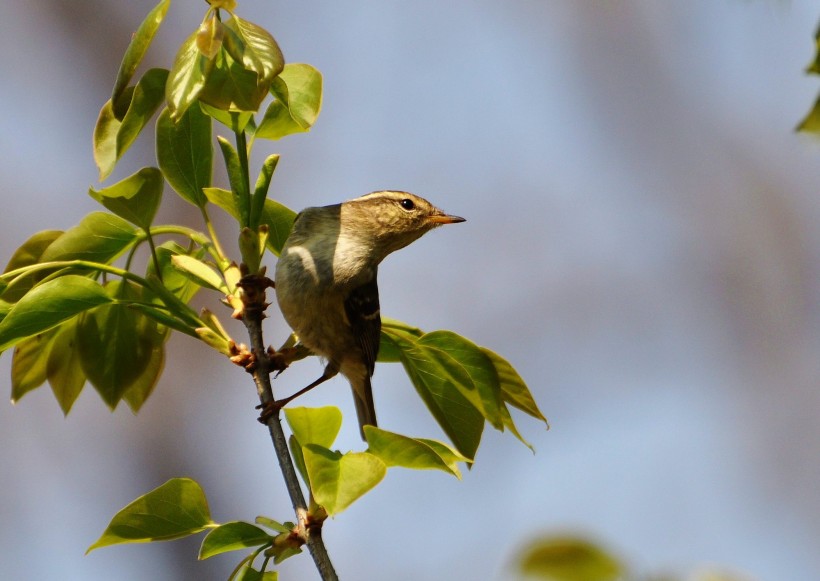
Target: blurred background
{"x": 641, "y": 243}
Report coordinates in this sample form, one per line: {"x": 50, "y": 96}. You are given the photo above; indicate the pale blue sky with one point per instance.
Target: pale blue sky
{"x": 641, "y": 243}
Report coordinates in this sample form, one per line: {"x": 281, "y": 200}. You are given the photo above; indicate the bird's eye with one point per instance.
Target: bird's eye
{"x": 407, "y": 204}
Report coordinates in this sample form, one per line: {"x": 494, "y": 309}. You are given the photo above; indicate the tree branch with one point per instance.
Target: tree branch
{"x": 253, "y": 299}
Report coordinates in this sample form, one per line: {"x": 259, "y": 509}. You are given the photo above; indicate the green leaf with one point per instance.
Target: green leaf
{"x": 113, "y": 135}
{"x": 171, "y": 303}
{"x": 298, "y": 91}
{"x": 143, "y": 386}
{"x": 277, "y": 217}
{"x": 258, "y": 50}
{"x": 99, "y": 237}
{"x": 469, "y": 368}
{"x": 28, "y": 364}
{"x": 298, "y": 458}
{"x": 569, "y": 559}
{"x": 209, "y": 36}
{"x": 232, "y": 87}
{"x": 279, "y": 220}
{"x": 173, "y": 280}
{"x": 64, "y": 369}
{"x": 140, "y": 41}
{"x": 513, "y": 389}
{"x": 811, "y": 123}
{"x": 199, "y": 272}
{"x": 236, "y": 121}
{"x": 397, "y": 450}
{"x": 28, "y": 254}
{"x": 239, "y": 187}
{"x": 176, "y": 509}
{"x": 389, "y": 350}
{"x": 338, "y": 480}
{"x": 260, "y": 192}
{"x": 252, "y": 246}
{"x": 314, "y": 425}
{"x": 105, "y": 134}
{"x": 458, "y": 417}
{"x": 185, "y": 153}
{"x": 115, "y": 343}
{"x": 148, "y": 95}
{"x": 187, "y": 77}
{"x": 274, "y": 525}
{"x": 160, "y": 315}
{"x": 136, "y": 198}
{"x": 248, "y": 573}
{"x": 48, "y": 305}
{"x": 232, "y": 536}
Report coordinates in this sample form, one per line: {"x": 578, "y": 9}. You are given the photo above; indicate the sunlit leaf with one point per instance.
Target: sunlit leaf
{"x": 48, "y": 305}
{"x": 273, "y": 524}
{"x": 235, "y": 120}
{"x": 513, "y": 389}
{"x": 99, "y": 237}
{"x": 314, "y": 425}
{"x": 389, "y": 351}
{"x": 559, "y": 558}
{"x": 258, "y": 50}
{"x": 176, "y": 509}
{"x": 26, "y": 255}
{"x": 64, "y": 369}
{"x": 232, "y": 536}
{"x": 232, "y": 87}
{"x": 398, "y": 450}
{"x": 199, "y": 272}
{"x": 105, "y": 140}
{"x": 136, "y": 198}
{"x": 433, "y": 379}
{"x": 298, "y": 92}
{"x": 277, "y": 217}
{"x": 187, "y": 77}
{"x": 338, "y": 480}
{"x": 28, "y": 364}
{"x": 239, "y": 186}
{"x": 140, "y": 41}
{"x": 185, "y": 153}
{"x": 260, "y": 192}
{"x": 172, "y": 278}
{"x": 112, "y": 135}
{"x": 209, "y": 36}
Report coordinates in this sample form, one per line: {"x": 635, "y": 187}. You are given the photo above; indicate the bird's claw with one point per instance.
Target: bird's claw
{"x": 269, "y": 409}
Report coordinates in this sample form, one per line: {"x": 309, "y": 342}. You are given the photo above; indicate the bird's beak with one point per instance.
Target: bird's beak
{"x": 445, "y": 219}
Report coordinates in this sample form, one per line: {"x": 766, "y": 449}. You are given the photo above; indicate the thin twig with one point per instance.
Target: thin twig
{"x": 253, "y": 298}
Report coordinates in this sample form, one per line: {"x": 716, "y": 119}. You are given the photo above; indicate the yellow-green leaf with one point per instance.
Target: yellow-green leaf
{"x": 48, "y": 305}
{"x": 232, "y": 536}
{"x": 314, "y": 425}
{"x": 567, "y": 558}
{"x": 338, "y": 480}
{"x": 176, "y": 509}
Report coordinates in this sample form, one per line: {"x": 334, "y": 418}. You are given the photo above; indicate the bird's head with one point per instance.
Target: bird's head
{"x": 395, "y": 219}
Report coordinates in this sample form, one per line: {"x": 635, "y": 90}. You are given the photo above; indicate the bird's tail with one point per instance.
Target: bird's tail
{"x": 365, "y": 408}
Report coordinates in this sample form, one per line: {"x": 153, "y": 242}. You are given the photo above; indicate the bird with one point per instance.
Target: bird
{"x": 326, "y": 281}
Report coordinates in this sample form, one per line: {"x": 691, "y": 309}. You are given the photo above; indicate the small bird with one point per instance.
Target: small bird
{"x": 326, "y": 281}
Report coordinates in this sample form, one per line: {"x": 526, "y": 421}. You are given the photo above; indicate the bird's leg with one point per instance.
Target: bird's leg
{"x": 272, "y": 408}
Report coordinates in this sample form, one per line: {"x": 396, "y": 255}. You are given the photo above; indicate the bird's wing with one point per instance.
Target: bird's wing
{"x": 362, "y": 309}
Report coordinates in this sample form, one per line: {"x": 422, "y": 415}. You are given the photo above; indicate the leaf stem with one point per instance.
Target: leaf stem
{"x": 220, "y": 254}
{"x": 154, "y": 254}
